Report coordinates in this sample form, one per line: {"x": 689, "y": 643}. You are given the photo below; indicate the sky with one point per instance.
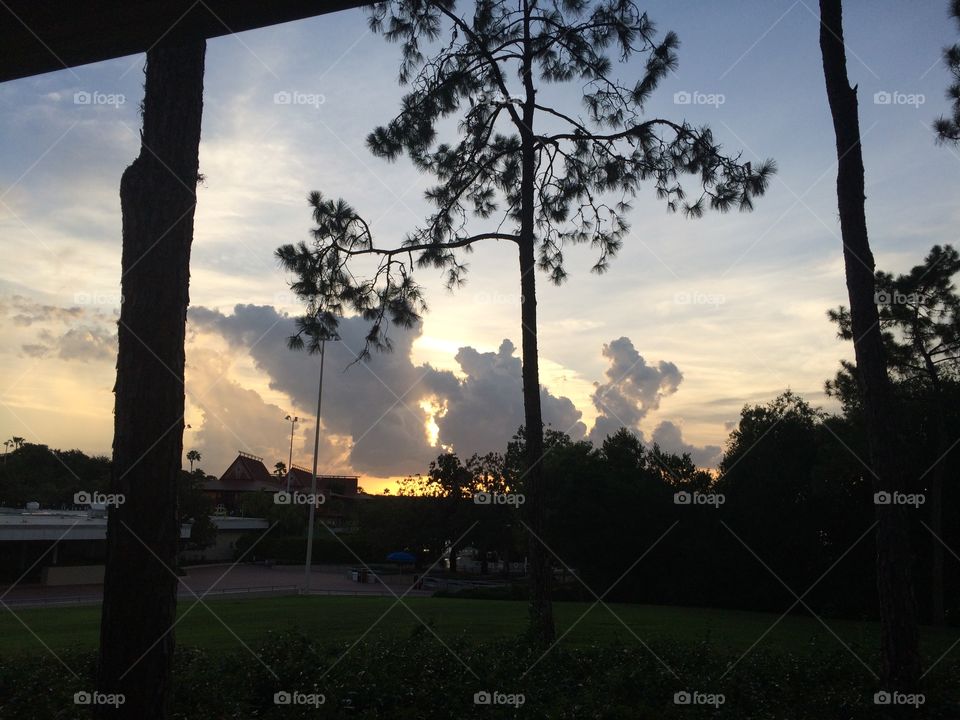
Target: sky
{"x": 694, "y": 319}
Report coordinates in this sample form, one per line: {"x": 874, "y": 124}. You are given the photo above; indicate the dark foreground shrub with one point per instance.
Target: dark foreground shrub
{"x": 422, "y": 678}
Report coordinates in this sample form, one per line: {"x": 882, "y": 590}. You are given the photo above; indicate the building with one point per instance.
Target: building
{"x": 339, "y": 492}
{"x": 247, "y": 474}
{"x": 79, "y": 544}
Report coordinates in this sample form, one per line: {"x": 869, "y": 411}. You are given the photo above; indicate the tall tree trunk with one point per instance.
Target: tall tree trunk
{"x": 900, "y": 660}
{"x": 157, "y": 198}
{"x": 937, "y": 611}
{"x": 541, "y": 611}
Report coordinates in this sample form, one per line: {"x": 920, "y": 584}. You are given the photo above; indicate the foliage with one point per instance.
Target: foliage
{"x": 948, "y": 128}
{"x": 416, "y": 677}
{"x": 195, "y": 507}
{"x": 490, "y": 70}
{"x": 34, "y": 472}
{"x": 920, "y": 317}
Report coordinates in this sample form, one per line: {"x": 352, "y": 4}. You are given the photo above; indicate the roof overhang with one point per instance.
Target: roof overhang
{"x": 39, "y": 36}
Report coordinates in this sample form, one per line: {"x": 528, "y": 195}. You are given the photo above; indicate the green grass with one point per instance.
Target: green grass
{"x": 339, "y": 619}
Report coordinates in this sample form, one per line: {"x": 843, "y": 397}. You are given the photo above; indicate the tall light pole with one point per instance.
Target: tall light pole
{"x": 313, "y": 481}
{"x": 293, "y": 423}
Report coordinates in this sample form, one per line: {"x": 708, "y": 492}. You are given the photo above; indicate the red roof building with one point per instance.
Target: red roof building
{"x": 248, "y": 474}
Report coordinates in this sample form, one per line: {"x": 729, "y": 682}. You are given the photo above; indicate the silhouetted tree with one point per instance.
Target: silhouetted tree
{"x": 194, "y": 506}
{"x": 157, "y": 199}
{"x": 50, "y": 476}
{"x": 920, "y": 317}
{"x": 193, "y": 456}
{"x": 521, "y": 170}
{"x": 948, "y": 128}
{"x": 899, "y": 632}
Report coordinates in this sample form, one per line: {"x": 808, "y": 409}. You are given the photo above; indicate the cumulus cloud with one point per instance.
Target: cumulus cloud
{"x": 632, "y": 390}
{"x": 486, "y": 408}
{"x": 379, "y": 405}
{"x": 238, "y": 418}
{"x": 376, "y": 414}
{"x": 670, "y": 437}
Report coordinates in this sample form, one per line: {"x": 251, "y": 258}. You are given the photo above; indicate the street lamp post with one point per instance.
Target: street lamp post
{"x": 313, "y": 480}
{"x": 293, "y": 423}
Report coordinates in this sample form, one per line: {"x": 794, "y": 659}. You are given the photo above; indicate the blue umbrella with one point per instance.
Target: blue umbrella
{"x": 402, "y": 557}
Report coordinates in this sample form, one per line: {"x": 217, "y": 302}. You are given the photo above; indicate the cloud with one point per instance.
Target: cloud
{"x": 24, "y": 312}
{"x": 385, "y": 417}
{"x": 35, "y": 351}
{"x": 90, "y": 336}
{"x": 670, "y": 438}
{"x": 632, "y": 390}
{"x": 376, "y": 404}
{"x": 485, "y": 409}
{"x": 379, "y": 405}
{"x": 238, "y": 418}
{"x": 88, "y": 343}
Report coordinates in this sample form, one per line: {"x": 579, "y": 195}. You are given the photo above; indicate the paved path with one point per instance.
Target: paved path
{"x": 227, "y": 580}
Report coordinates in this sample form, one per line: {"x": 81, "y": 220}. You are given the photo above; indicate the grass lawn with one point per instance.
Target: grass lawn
{"x": 344, "y": 619}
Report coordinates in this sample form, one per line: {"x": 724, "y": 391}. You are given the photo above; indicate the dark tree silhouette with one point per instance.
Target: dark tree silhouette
{"x": 920, "y": 317}
{"x": 157, "y": 198}
{"x": 900, "y": 659}
{"x": 948, "y": 128}
{"x": 520, "y": 170}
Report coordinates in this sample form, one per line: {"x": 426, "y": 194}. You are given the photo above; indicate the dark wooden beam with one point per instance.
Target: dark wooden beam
{"x": 39, "y": 36}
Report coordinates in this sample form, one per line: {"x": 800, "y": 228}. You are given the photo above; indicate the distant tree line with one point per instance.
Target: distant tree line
{"x": 35, "y": 472}
{"x": 790, "y": 509}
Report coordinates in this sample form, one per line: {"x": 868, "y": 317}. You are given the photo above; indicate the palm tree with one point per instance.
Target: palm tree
{"x": 193, "y": 456}
{"x": 17, "y": 442}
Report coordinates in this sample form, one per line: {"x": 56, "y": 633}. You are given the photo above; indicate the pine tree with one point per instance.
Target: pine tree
{"x": 521, "y": 170}
{"x": 948, "y": 128}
